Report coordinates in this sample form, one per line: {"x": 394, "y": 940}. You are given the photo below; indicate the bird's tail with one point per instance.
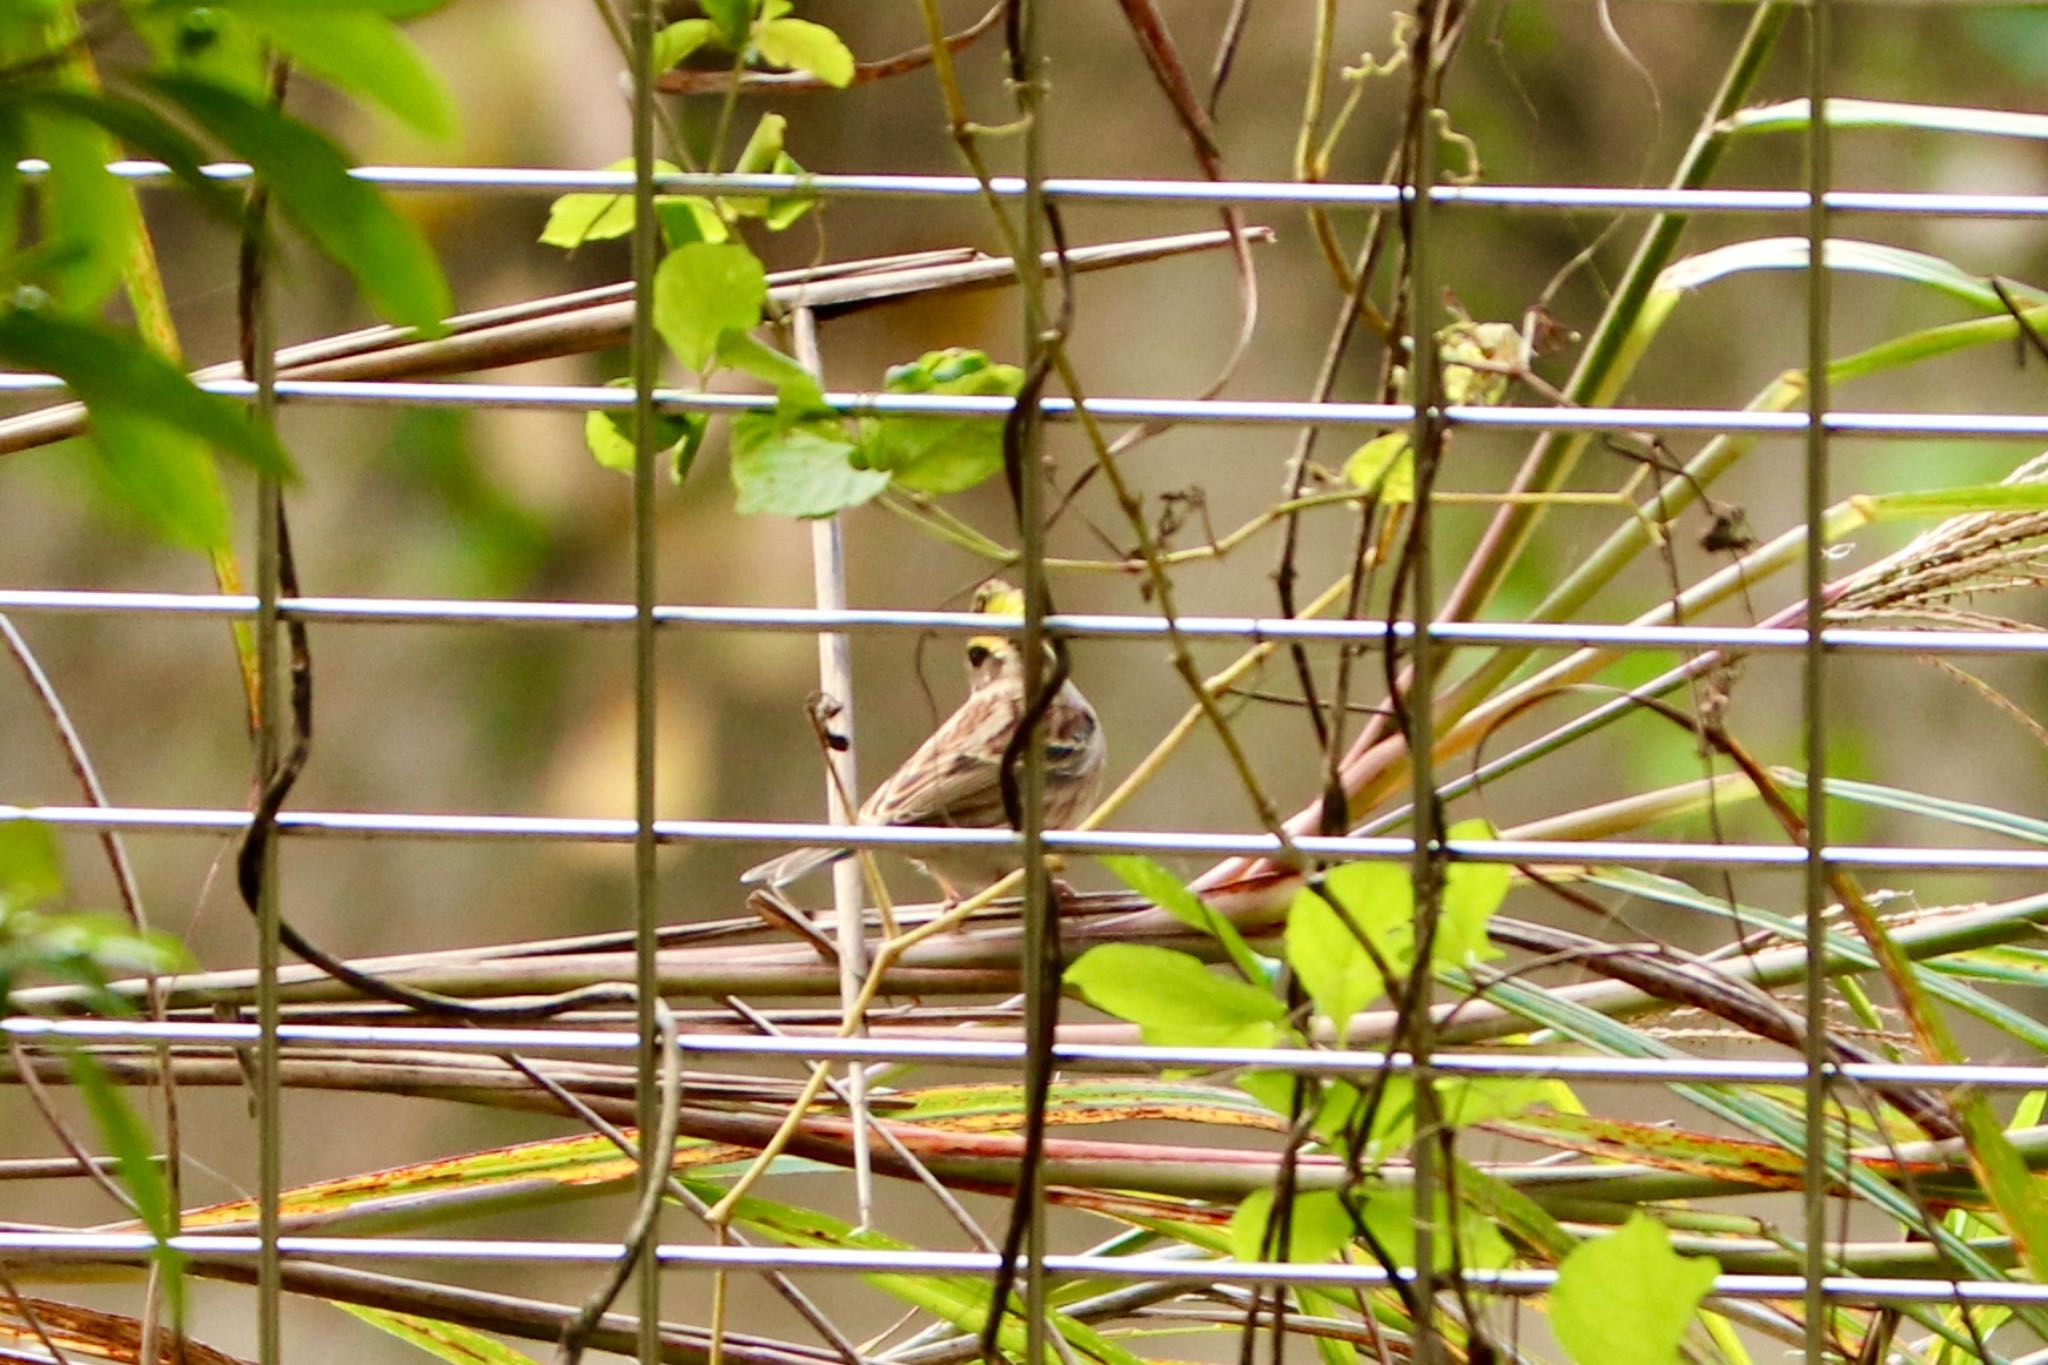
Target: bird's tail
{"x": 779, "y": 872}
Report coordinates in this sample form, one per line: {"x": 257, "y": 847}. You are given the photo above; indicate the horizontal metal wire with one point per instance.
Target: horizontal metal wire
{"x": 811, "y": 620}
{"x": 968, "y": 1051}
{"x": 1086, "y": 843}
{"x": 1082, "y": 189}
{"x": 1213, "y": 411}
{"x": 135, "y": 1246}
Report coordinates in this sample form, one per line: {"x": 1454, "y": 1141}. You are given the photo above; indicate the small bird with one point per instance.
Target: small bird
{"x": 955, "y": 777}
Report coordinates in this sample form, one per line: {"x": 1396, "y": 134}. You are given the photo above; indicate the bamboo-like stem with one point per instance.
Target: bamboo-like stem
{"x": 835, "y": 678}
{"x": 601, "y": 319}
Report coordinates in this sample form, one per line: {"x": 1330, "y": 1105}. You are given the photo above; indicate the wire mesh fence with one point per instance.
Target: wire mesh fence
{"x": 687, "y": 1025}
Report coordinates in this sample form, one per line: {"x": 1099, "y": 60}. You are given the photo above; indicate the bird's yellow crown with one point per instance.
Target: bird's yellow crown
{"x": 997, "y": 598}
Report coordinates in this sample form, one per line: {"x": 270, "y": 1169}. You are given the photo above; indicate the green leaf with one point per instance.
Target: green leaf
{"x": 798, "y": 396}
{"x": 784, "y": 209}
{"x": 363, "y": 54}
{"x": 1338, "y": 973}
{"x": 390, "y": 9}
{"x": 702, "y": 290}
{"x": 1390, "y": 1216}
{"x": 574, "y": 219}
{"x": 1317, "y": 1227}
{"x": 1472, "y": 892}
{"x": 141, "y": 1174}
{"x": 141, "y": 128}
{"x": 804, "y": 470}
{"x": 763, "y": 155}
{"x": 674, "y": 43}
{"x": 31, "y": 865}
{"x": 1331, "y": 964}
{"x": 686, "y": 218}
{"x": 733, "y": 17}
{"x": 1174, "y": 999}
{"x": 19, "y": 23}
{"x": 163, "y": 476}
{"x": 684, "y": 456}
{"x": 1625, "y": 1299}
{"x": 1378, "y": 896}
{"x": 1275, "y": 1090}
{"x": 1342, "y": 1118}
{"x": 804, "y": 46}
{"x": 1169, "y": 893}
{"x": 941, "y": 454}
{"x": 111, "y": 371}
{"x": 87, "y": 216}
{"x": 1384, "y": 465}
{"x": 151, "y": 426}
{"x": 207, "y": 42}
{"x": 608, "y": 432}
{"x": 86, "y": 947}
{"x": 13, "y": 147}
{"x": 1464, "y": 1101}
{"x": 764, "y": 144}
{"x": 131, "y": 1146}
{"x": 347, "y": 219}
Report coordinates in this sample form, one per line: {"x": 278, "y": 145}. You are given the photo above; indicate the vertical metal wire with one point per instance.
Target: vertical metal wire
{"x": 1814, "y": 675}
{"x": 270, "y": 716}
{"x": 1423, "y": 437}
{"x": 646, "y": 362}
{"x": 1041, "y": 983}
{"x": 835, "y": 679}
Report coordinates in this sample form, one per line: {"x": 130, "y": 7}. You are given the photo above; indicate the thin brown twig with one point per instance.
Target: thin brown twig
{"x": 39, "y": 1096}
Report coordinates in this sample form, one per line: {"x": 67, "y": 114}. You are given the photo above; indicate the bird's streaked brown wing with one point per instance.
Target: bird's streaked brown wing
{"x": 955, "y": 777}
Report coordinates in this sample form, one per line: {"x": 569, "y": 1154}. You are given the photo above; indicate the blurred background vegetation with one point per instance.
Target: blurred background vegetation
{"x": 439, "y": 503}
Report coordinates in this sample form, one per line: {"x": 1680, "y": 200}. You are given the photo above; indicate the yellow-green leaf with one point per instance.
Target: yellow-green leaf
{"x": 1390, "y": 1215}
{"x": 1317, "y": 1227}
{"x": 1384, "y": 465}
{"x": 363, "y": 54}
{"x": 676, "y": 42}
{"x": 804, "y": 46}
{"x": 574, "y": 219}
{"x": 1174, "y": 999}
{"x": 702, "y": 290}
{"x": 1333, "y": 966}
{"x": 802, "y": 470}
{"x": 1626, "y": 1299}
{"x": 1472, "y": 892}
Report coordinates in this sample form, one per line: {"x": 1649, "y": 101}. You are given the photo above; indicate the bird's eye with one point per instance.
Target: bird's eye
{"x": 977, "y": 655}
